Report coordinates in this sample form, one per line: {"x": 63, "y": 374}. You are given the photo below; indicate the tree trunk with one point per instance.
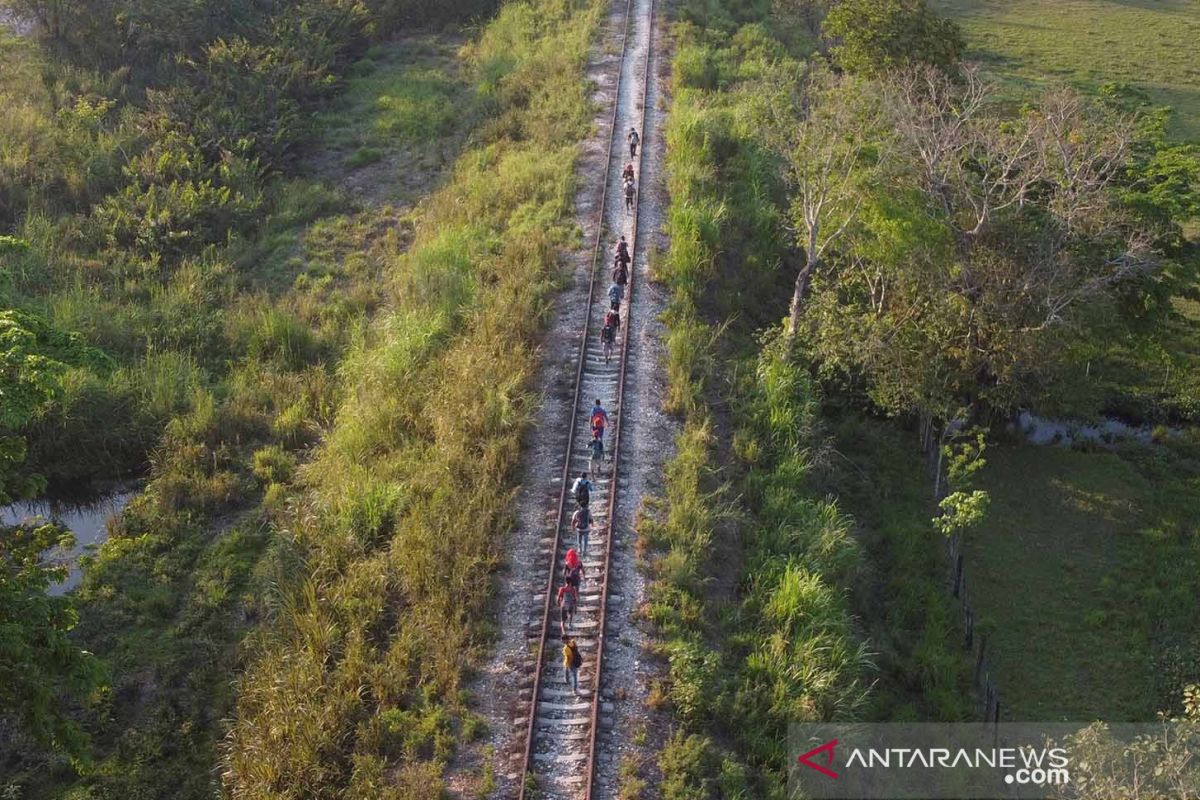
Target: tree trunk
{"x": 799, "y": 293}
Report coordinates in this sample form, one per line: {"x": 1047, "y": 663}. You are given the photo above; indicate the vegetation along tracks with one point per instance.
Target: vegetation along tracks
{"x": 561, "y": 725}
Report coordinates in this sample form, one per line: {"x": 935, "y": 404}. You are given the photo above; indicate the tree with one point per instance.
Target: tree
{"x": 964, "y": 506}
{"x": 1161, "y": 764}
{"x": 33, "y": 358}
{"x": 983, "y": 243}
{"x": 826, "y": 152}
{"x": 38, "y": 662}
{"x": 806, "y": 14}
{"x": 874, "y": 37}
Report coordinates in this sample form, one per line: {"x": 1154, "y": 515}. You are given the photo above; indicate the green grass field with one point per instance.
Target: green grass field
{"x": 1083, "y": 579}
{"x": 1149, "y": 44}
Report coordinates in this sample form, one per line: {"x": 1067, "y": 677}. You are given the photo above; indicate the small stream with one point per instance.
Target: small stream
{"x": 1046, "y": 431}
{"x": 86, "y": 519}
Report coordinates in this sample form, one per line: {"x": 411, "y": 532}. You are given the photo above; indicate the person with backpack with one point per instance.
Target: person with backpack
{"x": 596, "y": 446}
{"x": 572, "y": 661}
{"x": 568, "y": 598}
{"x": 622, "y": 252}
{"x": 608, "y": 337}
{"x": 630, "y": 194}
{"x": 599, "y": 420}
{"x": 613, "y": 318}
{"x": 616, "y": 293}
{"x": 634, "y": 140}
{"x": 627, "y": 175}
{"x": 581, "y": 490}
{"x": 581, "y": 522}
{"x": 573, "y": 570}
{"x": 620, "y": 273}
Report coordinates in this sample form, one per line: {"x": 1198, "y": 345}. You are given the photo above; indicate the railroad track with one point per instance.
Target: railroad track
{"x": 561, "y": 727}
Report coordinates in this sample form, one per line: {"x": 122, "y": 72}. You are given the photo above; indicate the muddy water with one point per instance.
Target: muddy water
{"x": 88, "y": 521}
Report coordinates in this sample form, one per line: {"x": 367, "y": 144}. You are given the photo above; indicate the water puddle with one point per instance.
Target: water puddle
{"x": 87, "y": 520}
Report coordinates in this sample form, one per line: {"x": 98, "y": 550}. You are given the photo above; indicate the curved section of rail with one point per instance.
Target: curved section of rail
{"x": 556, "y": 726}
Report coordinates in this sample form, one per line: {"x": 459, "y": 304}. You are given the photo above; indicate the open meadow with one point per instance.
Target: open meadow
{"x": 1148, "y": 44}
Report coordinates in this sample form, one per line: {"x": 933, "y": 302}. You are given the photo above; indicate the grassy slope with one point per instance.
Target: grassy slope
{"x": 755, "y": 570}
{"x": 355, "y": 690}
{"x": 1149, "y": 44}
{"x": 166, "y": 600}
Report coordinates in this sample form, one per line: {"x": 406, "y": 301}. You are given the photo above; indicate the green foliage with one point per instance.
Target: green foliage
{"x": 147, "y": 210}
{"x": 401, "y": 503}
{"x": 913, "y": 303}
{"x": 175, "y": 203}
{"x": 41, "y": 669}
{"x": 272, "y": 464}
{"x": 689, "y": 766}
{"x": 779, "y": 647}
{"x": 875, "y": 36}
{"x": 34, "y": 357}
{"x": 963, "y": 507}
{"x": 1152, "y": 764}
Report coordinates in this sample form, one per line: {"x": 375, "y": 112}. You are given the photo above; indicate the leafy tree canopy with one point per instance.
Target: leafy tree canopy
{"x": 874, "y": 36}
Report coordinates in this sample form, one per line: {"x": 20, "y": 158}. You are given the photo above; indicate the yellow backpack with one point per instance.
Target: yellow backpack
{"x": 571, "y": 657}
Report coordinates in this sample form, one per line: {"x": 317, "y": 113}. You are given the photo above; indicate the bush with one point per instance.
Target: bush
{"x": 272, "y": 464}
{"x": 874, "y": 36}
{"x": 689, "y": 764}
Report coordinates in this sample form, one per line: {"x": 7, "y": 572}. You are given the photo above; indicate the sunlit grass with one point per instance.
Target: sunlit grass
{"x": 1149, "y": 44}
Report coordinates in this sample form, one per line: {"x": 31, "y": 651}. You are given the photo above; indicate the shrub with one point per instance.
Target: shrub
{"x": 273, "y": 464}
{"x": 689, "y": 765}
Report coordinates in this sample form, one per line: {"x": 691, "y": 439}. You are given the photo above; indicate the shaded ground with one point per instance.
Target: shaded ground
{"x": 1083, "y": 578}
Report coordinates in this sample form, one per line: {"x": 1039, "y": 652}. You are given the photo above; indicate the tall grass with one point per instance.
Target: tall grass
{"x": 356, "y": 688}
{"x": 229, "y": 374}
{"x": 777, "y": 643}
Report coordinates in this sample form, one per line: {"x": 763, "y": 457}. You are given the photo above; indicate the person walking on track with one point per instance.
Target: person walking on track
{"x": 572, "y": 661}
{"x": 599, "y": 420}
{"x": 613, "y": 318}
{"x": 568, "y": 598}
{"x": 630, "y": 195}
{"x": 621, "y": 253}
{"x": 596, "y": 449}
{"x": 608, "y": 337}
{"x": 581, "y": 490}
{"x": 634, "y": 140}
{"x": 627, "y": 175}
{"x": 573, "y": 570}
{"x": 620, "y": 273}
{"x": 616, "y": 293}
{"x": 581, "y": 521}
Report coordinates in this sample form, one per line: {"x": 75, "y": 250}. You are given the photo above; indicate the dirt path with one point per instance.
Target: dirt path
{"x": 502, "y": 689}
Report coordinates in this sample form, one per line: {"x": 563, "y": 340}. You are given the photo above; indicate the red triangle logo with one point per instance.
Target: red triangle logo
{"x": 827, "y": 749}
